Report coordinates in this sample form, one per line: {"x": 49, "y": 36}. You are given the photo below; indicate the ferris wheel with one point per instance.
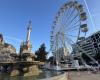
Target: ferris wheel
{"x": 69, "y": 26}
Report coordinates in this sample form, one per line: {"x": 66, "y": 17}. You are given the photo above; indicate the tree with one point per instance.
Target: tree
{"x": 41, "y": 53}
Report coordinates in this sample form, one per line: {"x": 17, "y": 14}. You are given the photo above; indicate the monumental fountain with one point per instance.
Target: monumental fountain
{"x": 18, "y": 64}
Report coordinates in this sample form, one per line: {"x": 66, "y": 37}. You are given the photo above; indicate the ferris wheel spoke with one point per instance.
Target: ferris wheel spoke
{"x": 73, "y": 27}
{"x": 69, "y": 26}
{"x": 68, "y": 17}
{"x": 67, "y": 21}
{"x": 72, "y": 35}
{"x": 61, "y": 20}
{"x": 63, "y": 25}
{"x": 73, "y": 19}
{"x": 69, "y": 41}
{"x": 67, "y": 13}
{"x": 62, "y": 14}
{"x": 71, "y": 30}
{"x": 76, "y": 22}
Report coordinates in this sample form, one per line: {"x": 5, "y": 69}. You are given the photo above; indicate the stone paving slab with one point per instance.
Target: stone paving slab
{"x": 84, "y": 76}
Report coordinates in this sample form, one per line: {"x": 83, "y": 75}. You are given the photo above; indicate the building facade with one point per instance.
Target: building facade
{"x": 91, "y": 45}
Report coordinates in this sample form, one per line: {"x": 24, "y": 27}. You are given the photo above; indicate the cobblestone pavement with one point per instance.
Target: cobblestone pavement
{"x": 84, "y": 76}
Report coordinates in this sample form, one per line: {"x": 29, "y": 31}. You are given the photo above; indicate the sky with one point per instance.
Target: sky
{"x": 15, "y": 15}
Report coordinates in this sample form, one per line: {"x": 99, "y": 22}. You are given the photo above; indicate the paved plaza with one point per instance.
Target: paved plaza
{"x": 84, "y": 76}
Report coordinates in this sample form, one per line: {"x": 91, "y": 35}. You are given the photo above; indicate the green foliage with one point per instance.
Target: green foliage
{"x": 41, "y": 53}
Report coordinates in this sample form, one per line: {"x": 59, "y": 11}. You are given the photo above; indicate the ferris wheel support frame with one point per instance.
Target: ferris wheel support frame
{"x": 81, "y": 18}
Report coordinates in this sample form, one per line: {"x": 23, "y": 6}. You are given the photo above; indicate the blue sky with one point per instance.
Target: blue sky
{"x": 15, "y": 14}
